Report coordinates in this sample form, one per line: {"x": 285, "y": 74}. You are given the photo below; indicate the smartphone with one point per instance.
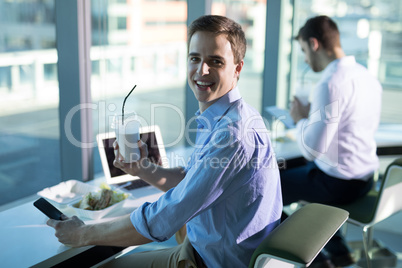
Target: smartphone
{"x": 48, "y": 209}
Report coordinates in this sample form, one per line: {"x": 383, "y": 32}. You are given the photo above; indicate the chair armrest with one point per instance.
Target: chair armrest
{"x": 303, "y": 234}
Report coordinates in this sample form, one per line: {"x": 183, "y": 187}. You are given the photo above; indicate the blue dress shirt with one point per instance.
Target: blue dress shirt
{"x": 230, "y": 198}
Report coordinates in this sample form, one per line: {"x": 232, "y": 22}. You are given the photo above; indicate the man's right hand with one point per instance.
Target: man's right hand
{"x": 133, "y": 168}
{"x": 154, "y": 174}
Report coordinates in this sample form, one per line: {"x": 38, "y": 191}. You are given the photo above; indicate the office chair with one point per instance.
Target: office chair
{"x": 376, "y": 206}
{"x": 298, "y": 240}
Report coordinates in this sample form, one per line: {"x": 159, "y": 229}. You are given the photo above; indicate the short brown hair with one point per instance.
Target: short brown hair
{"x": 324, "y": 29}
{"x": 221, "y": 25}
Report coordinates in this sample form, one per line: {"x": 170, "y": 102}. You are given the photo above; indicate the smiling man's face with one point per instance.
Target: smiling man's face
{"x": 211, "y": 68}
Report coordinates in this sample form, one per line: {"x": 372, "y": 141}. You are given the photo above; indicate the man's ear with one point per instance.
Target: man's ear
{"x": 313, "y": 43}
{"x": 239, "y": 67}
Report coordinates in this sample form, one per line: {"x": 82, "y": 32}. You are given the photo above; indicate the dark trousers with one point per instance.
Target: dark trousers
{"x": 309, "y": 183}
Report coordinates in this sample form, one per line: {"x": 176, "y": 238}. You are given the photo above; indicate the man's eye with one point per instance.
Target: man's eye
{"x": 193, "y": 59}
{"x": 217, "y": 62}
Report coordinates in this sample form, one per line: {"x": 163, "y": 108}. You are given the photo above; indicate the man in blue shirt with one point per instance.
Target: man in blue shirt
{"x": 228, "y": 196}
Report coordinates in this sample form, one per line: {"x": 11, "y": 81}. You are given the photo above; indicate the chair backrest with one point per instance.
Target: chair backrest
{"x": 390, "y": 195}
{"x": 299, "y": 239}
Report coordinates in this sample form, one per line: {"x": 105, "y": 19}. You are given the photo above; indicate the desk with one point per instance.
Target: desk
{"x": 27, "y": 241}
{"x": 388, "y": 138}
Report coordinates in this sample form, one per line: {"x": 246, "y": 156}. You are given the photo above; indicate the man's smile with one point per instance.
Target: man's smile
{"x": 203, "y": 85}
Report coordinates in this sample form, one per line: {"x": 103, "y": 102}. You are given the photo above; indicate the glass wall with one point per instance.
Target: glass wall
{"x": 140, "y": 43}
{"x": 143, "y": 43}
{"x": 29, "y": 132}
{"x": 371, "y": 31}
{"x": 252, "y": 16}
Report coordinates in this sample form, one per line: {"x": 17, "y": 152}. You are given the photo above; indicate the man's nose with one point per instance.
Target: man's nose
{"x": 203, "y": 69}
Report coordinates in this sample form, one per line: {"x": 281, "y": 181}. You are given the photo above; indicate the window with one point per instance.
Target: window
{"x": 121, "y": 23}
{"x": 371, "y": 31}
{"x": 150, "y": 53}
{"x": 29, "y": 135}
{"x": 251, "y": 15}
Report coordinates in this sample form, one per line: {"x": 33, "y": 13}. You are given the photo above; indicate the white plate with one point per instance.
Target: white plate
{"x": 97, "y": 214}
{"x": 67, "y": 191}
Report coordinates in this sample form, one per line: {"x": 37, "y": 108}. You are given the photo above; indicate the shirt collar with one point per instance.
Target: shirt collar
{"x": 344, "y": 61}
{"x": 347, "y": 60}
{"x": 213, "y": 112}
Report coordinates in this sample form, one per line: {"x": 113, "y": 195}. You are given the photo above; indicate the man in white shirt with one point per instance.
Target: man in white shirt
{"x": 335, "y": 133}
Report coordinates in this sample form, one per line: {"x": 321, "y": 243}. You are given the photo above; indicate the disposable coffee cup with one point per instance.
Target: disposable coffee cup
{"x": 127, "y": 135}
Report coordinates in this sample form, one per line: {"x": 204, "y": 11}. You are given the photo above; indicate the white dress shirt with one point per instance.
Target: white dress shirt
{"x": 344, "y": 115}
